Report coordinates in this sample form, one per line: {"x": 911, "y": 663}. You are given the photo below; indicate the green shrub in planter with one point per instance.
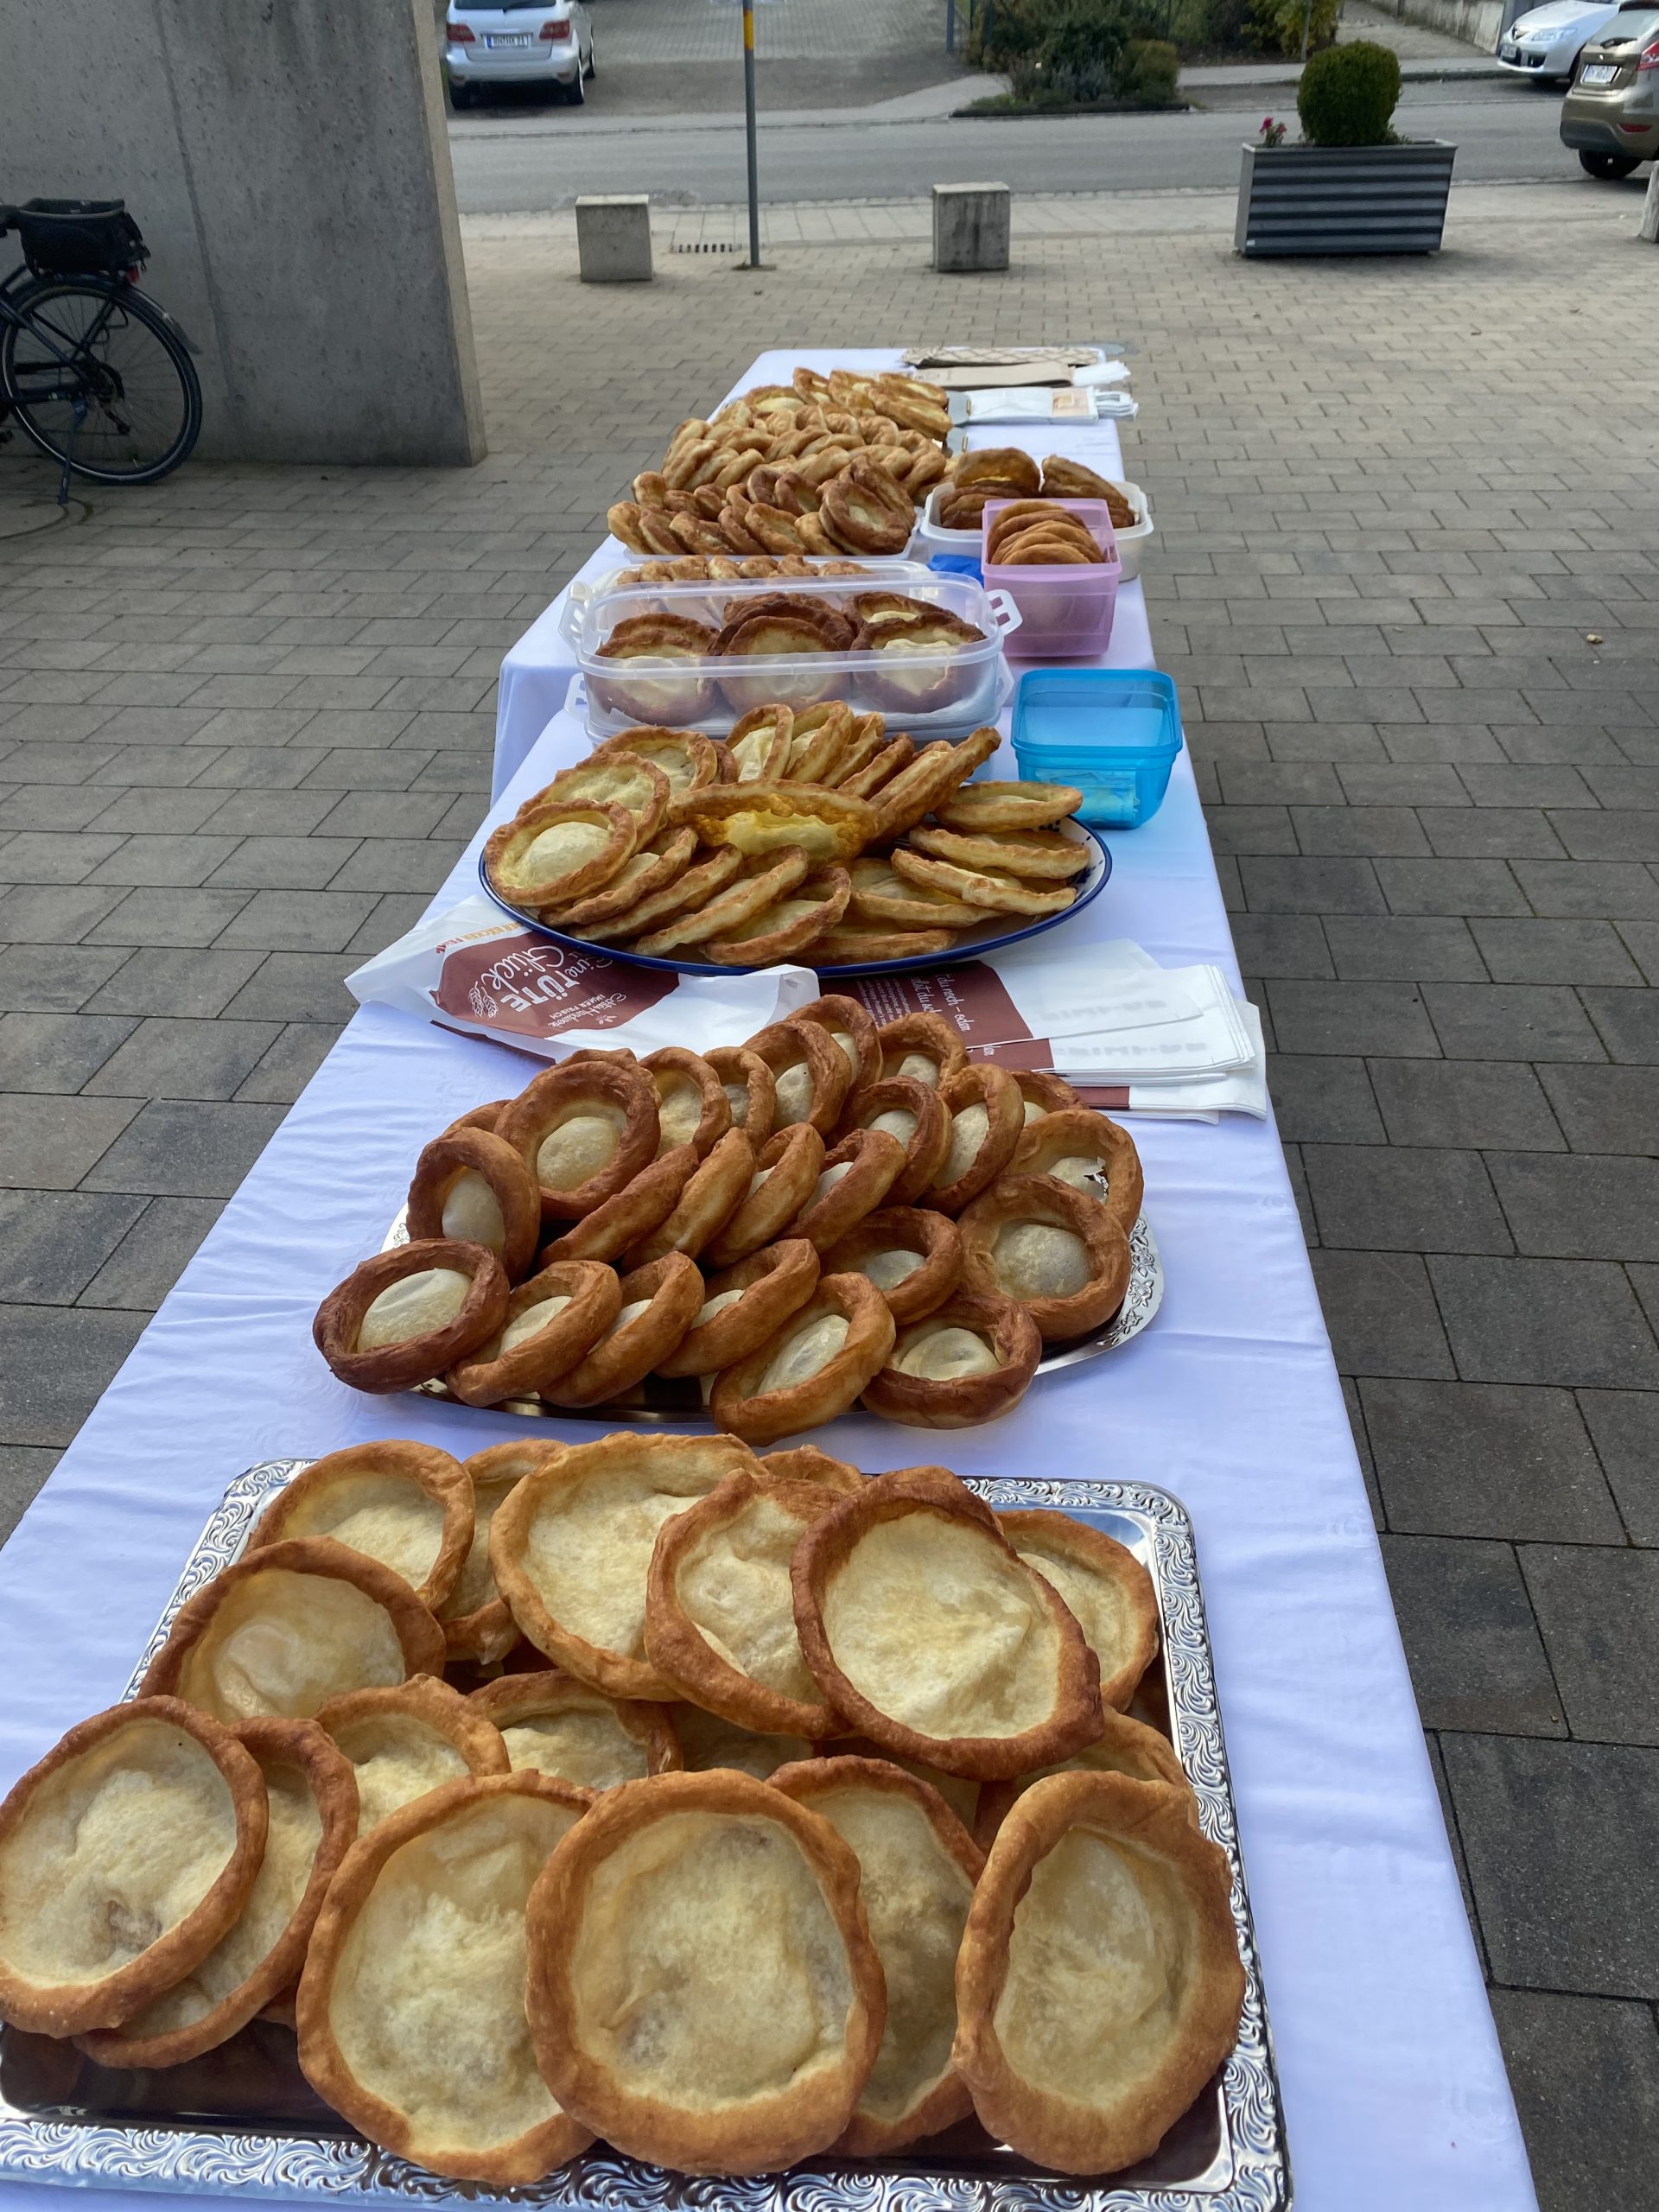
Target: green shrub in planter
{"x": 1348, "y": 94}
{"x": 1146, "y": 70}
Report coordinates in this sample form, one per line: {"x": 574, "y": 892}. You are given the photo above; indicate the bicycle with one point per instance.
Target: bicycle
{"x": 95, "y": 372}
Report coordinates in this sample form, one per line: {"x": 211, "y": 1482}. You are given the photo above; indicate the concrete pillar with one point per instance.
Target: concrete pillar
{"x": 970, "y": 227}
{"x": 288, "y": 165}
{"x": 613, "y": 238}
{"x": 1649, "y": 224}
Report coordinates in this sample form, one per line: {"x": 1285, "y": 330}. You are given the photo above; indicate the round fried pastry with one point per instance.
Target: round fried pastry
{"x": 997, "y": 893}
{"x": 821, "y": 735}
{"x": 637, "y": 1209}
{"x": 558, "y": 1725}
{"x": 850, "y": 1027}
{"x": 476, "y": 1622}
{"x": 925, "y": 1046}
{"x": 786, "y": 1171}
{"x": 689, "y": 893}
{"x": 311, "y": 1799}
{"x": 811, "y": 1076}
{"x": 759, "y": 743}
{"x": 881, "y": 894}
{"x": 702, "y": 1987}
{"x": 917, "y": 1866}
{"x": 913, "y": 1258}
{"x": 659, "y": 1303}
{"x": 974, "y": 808}
{"x": 571, "y": 1549}
{"x": 405, "y": 1741}
{"x": 928, "y": 1631}
{"x": 969, "y": 1361}
{"x": 1044, "y": 1093}
{"x": 1124, "y": 1746}
{"x": 854, "y": 945}
{"x": 410, "y": 1506}
{"x": 1099, "y": 1985}
{"x": 651, "y": 870}
{"x": 786, "y": 928}
{"x": 686, "y": 757}
{"x": 812, "y": 1368}
{"x": 584, "y": 1129}
{"x": 915, "y": 1113}
{"x": 918, "y": 788}
{"x": 879, "y": 770}
{"x": 745, "y": 896}
{"x": 479, "y": 1117}
{"x": 1049, "y": 856}
{"x": 743, "y": 1306}
{"x": 720, "y": 1625}
{"x": 408, "y": 1313}
{"x": 857, "y": 1176}
{"x": 431, "y": 1909}
{"x": 553, "y": 1321}
{"x": 750, "y": 1091}
{"x": 126, "y": 1854}
{"x": 692, "y": 1106}
{"x": 1093, "y": 1155}
{"x": 710, "y": 1197}
{"x": 652, "y": 661}
{"x": 1107, "y": 1588}
{"x": 553, "y": 853}
{"x": 763, "y": 819}
{"x": 987, "y": 1115}
{"x": 470, "y": 1186}
{"x": 1033, "y": 1238}
{"x": 287, "y": 1627}
{"x": 998, "y": 464}
{"x": 805, "y": 1463}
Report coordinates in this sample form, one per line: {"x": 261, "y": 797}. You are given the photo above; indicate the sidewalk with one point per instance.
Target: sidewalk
{"x": 245, "y": 720}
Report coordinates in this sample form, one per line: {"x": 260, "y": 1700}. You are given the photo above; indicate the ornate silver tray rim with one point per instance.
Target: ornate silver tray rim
{"x": 298, "y": 2165}
{"x": 1140, "y": 1302}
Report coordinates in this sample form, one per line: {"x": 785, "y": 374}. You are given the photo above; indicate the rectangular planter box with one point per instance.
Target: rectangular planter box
{"x": 1343, "y": 199}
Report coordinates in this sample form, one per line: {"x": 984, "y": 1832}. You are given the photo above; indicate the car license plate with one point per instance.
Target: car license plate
{"x": 1599, "y": 72}
{"x": 1506, "y": 52}
{"x": 508, "y": 38}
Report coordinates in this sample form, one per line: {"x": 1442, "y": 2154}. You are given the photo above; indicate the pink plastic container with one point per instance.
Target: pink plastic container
{"x": 1065, "y": 610}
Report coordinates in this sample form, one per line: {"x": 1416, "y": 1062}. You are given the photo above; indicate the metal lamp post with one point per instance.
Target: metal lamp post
{"x": 749, "y": 126}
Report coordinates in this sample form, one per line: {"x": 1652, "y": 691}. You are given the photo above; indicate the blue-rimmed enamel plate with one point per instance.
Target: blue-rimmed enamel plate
{"x": 990, "y": 936}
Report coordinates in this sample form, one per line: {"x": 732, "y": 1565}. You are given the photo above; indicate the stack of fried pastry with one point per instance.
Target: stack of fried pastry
{"x": 731, "y": 567}
{"x": 831, "y": 1213}
{"x": 1035, "y": 534}
{"x": 806, "y": 836}
{"x": 710, "y": 1846}
{"x": 1006, "y": 472}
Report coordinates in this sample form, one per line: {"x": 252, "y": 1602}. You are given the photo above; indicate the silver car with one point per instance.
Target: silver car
{"x": 549, "y": 44}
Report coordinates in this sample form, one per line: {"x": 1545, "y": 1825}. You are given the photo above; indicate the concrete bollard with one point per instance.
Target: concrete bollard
{"x": 970, "y": 227}
{"x": 1649, "y": 227}
{"x": 613, "y": 238}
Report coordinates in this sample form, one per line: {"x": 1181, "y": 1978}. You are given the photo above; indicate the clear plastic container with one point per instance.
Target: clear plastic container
{"x": 1065, "y": 608}
{"x": 1114, "y": 733}
{"x": 931, "y": 539}
{"x": 929, "y": 692}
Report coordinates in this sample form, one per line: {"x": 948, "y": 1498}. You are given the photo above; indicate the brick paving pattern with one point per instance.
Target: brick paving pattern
{"x": 1404, "y": 576}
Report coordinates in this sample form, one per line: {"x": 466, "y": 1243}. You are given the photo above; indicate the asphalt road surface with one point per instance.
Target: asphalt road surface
{"x": 537, "y": 159}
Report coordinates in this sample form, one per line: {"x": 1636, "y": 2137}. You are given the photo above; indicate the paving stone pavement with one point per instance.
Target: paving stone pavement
{"x": 1405, "y": 577}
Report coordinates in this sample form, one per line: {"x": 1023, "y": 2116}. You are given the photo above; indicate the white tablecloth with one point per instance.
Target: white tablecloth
{"x": 1394, "y": 2092}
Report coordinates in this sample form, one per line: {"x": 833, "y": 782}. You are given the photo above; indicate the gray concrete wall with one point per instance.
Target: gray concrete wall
{"x": 1482, "y": 23}
{"x": 288, "y": 162}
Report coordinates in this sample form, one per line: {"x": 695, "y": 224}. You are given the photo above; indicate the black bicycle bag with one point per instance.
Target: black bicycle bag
{"x": 79, "y": 238}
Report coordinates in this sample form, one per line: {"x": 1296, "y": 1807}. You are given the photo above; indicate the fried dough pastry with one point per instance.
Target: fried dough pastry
{"x": 412, "y": 2006}
{"x": 925, "y": 1046}
{"x": 702, "y": 1987}
{"x": 997, "y": 465}
{"x": 470, "y": 1186}
{"x": 311, "y": 1799}
{"x": 914, "y": 668}
{"x": 851, "y": 1027}
{"x": 476, "y": 1622}
{"x": 405, "y": 1741}
{"x": 709, "y": 1199}
{"x": 719, "y": 1623}
{"x": 969, "y": 1361}
{"x": 879, "y": 770}
{"x": 1099, "y": 1985}
{"x": 571, "y": 1549}
{"x": 786, "y": 1171}
{"x": 1091, "y": 1153}
{"x": 658, "y": 1304}
{"x": 750, "y": 1091}
{"x": 406, "y": 1314}
{"x": 410, "y": 1506}
{"x": 759, "y": 743}
{"x": 692, "y": 1106}
{"x": 1033, "y": 1238}
{"x": 881, "y": 894}
{"x": 553, "y": 853}
{"x": 857, "y": 1176}
{"x": 656, "y": 867}
{"x": 1044, "y": 1093}
{"x": 584, "y": 1129}
{"x": 286, "y": 1628}
{"x": 925, "y": 1629}
{"x": 553, "y": 1321}
{"x": 811, "y": 1076}
{"x": 926, "y": 782}
{"x": 745, "y": 896}
{"x": 780, "y": 932}
{"x": 638, "y": 1208}
{"x": 558, "y": 1725}
{"x": 1045, "y": 854}
{"x": 820, "y": 737}
{"x": 1124, "y": 1746}
{"x": 987, "y": 1115}
{"x": 854, "y": 945}
{"x": 917, "y": 1866}
{"x": 805, "y": 1463}
{"x": 743, "y": 1306}
{"x": 613, "y": 778}
{"x": 126, "y": 1854}
{"x": 1106, "y": 1587}
{"x": 916, "y": 1115}
{"x": 764, "y": 819}
{"x": 865, "y": 512}
{"x": 813, "y": 1368}
{"x": 707, "y": 1742}
{"x": 914, "y": 1259}
{"x": 976, "y": 807}
{"x": 688, "y": 893}
{"x": 685, "y": 757}
{"x": 998, "y": 893}
{"x": 655, "y": 658}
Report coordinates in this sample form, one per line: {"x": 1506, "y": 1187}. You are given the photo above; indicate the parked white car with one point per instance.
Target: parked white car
{"x": 1547, "y": 42}
{"x": 549, "y": 44}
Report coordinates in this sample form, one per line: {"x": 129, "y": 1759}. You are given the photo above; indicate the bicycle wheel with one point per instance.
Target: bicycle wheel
{"x": 107, "y": 346}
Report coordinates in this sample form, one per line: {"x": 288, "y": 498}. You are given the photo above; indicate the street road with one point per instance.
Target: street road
{"x": 533, "y": 160}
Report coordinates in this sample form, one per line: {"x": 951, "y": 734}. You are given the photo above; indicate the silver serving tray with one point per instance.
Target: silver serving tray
{"x": 659, "y": 1403}
{"x": 242, "y": 2118}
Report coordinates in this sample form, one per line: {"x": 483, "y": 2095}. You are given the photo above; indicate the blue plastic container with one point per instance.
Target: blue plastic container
{"x": 1112, "y": 732}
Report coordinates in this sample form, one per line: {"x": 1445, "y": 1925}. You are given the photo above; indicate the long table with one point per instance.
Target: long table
{"x": 1394, "y": 2092}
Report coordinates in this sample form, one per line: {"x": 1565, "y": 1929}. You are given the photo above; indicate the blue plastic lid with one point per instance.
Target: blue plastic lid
{"x": 1080, "y": 712}
{"x": 957, "y": 564}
